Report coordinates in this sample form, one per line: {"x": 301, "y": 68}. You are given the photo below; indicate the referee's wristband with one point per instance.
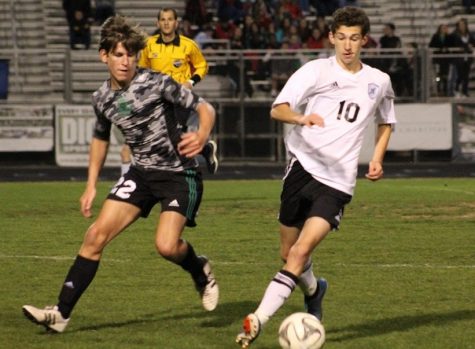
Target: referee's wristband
{"x": 192, "y": 82}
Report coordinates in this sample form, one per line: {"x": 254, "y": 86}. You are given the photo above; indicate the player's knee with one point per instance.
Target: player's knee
{"x": 167, "y": 249}
{"x": 96, "y": 238}
{"x": 299, "y": 252}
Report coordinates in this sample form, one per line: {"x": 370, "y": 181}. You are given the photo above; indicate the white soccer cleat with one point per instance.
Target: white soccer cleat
{"x": 210, "y": 292}
{"x": 251, "y": 327}
{"x": 49, "y": 317}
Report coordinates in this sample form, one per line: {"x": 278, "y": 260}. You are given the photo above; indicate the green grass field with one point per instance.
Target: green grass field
{"x": 401, "y": 269}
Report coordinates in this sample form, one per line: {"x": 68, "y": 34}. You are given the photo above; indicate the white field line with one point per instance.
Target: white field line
{"x": 343, "y": 265}
{"x": 54, "y": 258}
{"x": 440, "y": 189}
{"x": 361, "y": 265}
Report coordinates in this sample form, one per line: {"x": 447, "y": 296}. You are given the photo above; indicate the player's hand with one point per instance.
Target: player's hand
{"x": 311, "y": 120}
{"x": 86, "y": 200}
{"x": 191, "y": 144}
{"x": 188, "y": 85}
{"x": 375, "y": 171}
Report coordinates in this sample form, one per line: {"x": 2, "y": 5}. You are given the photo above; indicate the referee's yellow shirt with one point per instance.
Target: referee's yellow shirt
{"x": 181, "y": 58}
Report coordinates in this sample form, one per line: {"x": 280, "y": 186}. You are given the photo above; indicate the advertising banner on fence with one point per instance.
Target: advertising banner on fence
{"x": 26, "y": 128}
{"x": 74, "y": 125}
{"x": 422, "y": 127}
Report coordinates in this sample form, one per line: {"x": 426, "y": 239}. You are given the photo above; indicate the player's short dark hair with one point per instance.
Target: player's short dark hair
{"x": 350, "y": 17}
{"x": 167, "y": 9}
{"x": 118, "y": 29}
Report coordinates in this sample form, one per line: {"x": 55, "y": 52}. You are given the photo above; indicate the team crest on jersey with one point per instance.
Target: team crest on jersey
{"x": 373, "y": 90}
{"x": 177, "y": 63}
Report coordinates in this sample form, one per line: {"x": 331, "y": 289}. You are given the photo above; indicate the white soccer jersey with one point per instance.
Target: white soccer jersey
{"x": 348, "y": 103}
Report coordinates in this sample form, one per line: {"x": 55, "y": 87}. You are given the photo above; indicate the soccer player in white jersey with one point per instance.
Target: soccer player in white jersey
{"x": 140, "y": 103}
{"x": 330, "y": 101}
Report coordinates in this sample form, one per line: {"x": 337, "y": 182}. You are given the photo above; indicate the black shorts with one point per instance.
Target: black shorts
{"x": 176, "y": 191}
{"x": 304, "y": 197}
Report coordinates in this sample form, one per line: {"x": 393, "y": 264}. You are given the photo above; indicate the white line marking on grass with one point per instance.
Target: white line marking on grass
{"x": 54, "y": 258}
{"x": 405, "y": 265}
{"x": 344, "y": 265}
{"x": 395, "y": 265}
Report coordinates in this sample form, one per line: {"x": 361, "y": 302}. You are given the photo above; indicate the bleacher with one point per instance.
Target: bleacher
{"x": 34, "y": 37}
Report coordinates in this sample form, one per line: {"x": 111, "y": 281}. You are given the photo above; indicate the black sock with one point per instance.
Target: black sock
{"x": 79, "y": 277}
{"x": 192, "y": 264}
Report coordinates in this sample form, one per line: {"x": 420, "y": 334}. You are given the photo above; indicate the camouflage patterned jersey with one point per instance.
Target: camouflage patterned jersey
{"x": 144, "y": 113}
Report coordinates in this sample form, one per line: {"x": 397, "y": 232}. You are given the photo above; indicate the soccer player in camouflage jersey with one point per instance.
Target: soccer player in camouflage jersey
{"x": 180, "y": 57}
{"x": 141, "y": 104}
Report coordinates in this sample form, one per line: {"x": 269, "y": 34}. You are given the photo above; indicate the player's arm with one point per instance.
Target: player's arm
{"x": 199, "y": 65}
{"x": 283, "y": 113}
{"x": 192, "y": 143}
{"x": 375, "y": 168}
{"x": 97, "y": 155}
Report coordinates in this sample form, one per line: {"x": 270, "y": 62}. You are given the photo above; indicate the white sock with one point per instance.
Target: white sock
{"x": 124, "y": 168}
{"x": 276, "y": 294}
{"x": 307, "y": 280}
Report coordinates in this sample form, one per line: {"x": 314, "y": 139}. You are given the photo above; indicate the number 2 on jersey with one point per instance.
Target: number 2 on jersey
{"x": 123, "y": 189}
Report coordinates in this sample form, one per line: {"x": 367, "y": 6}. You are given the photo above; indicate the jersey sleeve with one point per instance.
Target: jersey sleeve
{"x": 198, "y": 62}
{"x": 178, "y": 94}
{"x": 144, "y": 60}
{"x": 385, "y": 113}
{"x": 299, "y": 87}
{"x": 102, "y": 127}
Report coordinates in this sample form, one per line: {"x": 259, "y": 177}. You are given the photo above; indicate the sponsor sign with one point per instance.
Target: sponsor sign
{"x": 74, "y": 127}
{"x": 422, "y": 127}
{"x": 26, "y": 128}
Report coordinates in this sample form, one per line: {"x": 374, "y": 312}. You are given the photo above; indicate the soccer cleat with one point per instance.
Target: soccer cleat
{"x": 209, "y": 153}
{"x": 251, "y": 327}
{"x": 313, "y": 304}
{"x": 49, "y": 317}
{"x": 209, "y": 293}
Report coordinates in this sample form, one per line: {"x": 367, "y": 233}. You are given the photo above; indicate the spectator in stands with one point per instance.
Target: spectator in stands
{"x": 178, "y": 56}
{"x": 103, "y": 10}
{"x": 79, "y": 31}
{"x": 343, "y": 3}
{"x": 79, "y": 17}
{"x": 261, "y": 13}
{"x": 204, "y": 36}
{"x": 304, "y": 29}
{"x": 392, "y": 65}
{"x": 274, "y": 37}
{"x": 224, "y": 29}
{"x": 467, "y": 4}
{"x": 322, "y": 24}
{"x": 462, "y": 39}
{"x": 71, "y": 6}
{"x": 325, "y": 8}
{"x": 282, "y": 68}
{"x": 371, "y": 42}
{"x": 230, "y": 10}
{"x": 440, "y": 43}
{"x": 292, "y": 8}
{"x": 315, "y": 41}
{"x": 370, "y": 56}
{"x": 187, "y": 28}
{"x": 233, "y": 67}
{"x": 195, "y": 12}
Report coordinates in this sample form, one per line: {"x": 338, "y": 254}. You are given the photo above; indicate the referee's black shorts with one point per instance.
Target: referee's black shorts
{"x": 176, "y": 191}
{"x": 304, "y": 197}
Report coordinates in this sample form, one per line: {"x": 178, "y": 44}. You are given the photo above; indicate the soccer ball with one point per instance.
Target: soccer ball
{"x": 301, "y": 331}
